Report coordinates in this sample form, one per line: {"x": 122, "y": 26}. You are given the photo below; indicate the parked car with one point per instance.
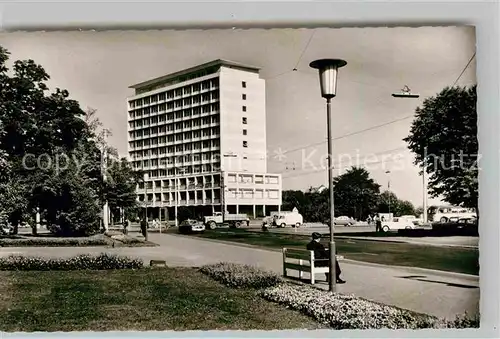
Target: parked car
{"x": 342, "y": 221}
{"x": 416, "y": 221}
{"x": 191, "y": 226}
{"x": 398, "y": 224}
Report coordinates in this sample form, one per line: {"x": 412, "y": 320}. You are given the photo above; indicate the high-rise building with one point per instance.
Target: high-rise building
{"x": 200, "y": 135}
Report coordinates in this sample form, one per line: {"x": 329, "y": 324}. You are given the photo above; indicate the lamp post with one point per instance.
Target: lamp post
{"x": 328, "y": 69}
{"x": 407, "y": 93}
{"x": 146, "y": 195}
{"x": 389, "y": 188}
{"x": 177, "y": 186}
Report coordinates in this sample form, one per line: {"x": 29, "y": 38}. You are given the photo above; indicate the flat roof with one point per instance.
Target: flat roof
{"x": 218, "y": 62}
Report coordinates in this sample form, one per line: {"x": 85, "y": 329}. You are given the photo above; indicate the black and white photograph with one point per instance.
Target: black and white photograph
{"x": 239, "y": 179}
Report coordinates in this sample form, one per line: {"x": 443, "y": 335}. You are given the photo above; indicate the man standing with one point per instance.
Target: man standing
{"x": 378, "y": 224}
{"x": 320, "y": 252}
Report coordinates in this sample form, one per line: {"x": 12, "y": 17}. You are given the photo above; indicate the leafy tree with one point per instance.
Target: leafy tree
{"x": 405, "y": 207}
{"x": 444, "y": 135}
{"x": 355, "y": 193}
{"x": 121, "y": 184}
{"x": 294, "y": 199}
{"x": 37, "y": 123}
{"x": 388, "y": 202}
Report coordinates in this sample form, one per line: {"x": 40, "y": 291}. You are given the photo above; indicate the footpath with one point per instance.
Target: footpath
{"x": 442, "y": 294}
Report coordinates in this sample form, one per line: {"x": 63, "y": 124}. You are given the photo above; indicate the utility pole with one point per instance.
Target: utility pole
{"x": 105, "y": 209}
{"x": 424, "y": 184}
{"x": 389, "y": 188}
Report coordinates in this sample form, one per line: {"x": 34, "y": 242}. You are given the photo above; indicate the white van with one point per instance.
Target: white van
{"x": 398, "y": 224}
{"x": 289, "y": 219}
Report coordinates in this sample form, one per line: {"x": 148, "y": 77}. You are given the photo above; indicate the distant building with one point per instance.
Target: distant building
{"x": 200, "y": 133}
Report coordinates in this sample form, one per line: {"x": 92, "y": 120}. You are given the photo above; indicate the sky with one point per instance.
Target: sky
{"x": 368, "y": 124}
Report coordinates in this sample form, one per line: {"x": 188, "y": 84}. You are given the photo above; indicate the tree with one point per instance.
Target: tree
{"x": 388, "y": 202}
{"x": 405, "y": 207}
{"x": 36, "y": 123}
{"x": 355, "y": 193}
{"x": 121, "y": 184}
{"x": 444, "y": 135}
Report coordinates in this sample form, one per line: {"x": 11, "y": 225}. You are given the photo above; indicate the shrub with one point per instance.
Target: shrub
{"x": 80, "y": 262}
{"x": 241, "y": 276}
{"x": 51, "y": 242}
{"x": 349, "y": 312}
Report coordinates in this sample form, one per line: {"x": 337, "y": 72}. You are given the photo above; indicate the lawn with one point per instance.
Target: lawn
{"x": 452, "y": 259}
{"x": 141, "y": 300}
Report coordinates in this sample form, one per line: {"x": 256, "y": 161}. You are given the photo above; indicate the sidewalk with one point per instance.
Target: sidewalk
{"x": 438, "y": 293}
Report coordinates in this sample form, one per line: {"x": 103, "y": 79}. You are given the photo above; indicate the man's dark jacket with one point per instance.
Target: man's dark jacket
{"x": 320, "y": 252}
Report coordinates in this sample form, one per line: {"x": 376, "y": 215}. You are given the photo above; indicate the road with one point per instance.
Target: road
{"x": 438, "y": 293}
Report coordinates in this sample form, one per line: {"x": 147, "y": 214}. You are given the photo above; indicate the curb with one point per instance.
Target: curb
{"x": 349, "y": 261}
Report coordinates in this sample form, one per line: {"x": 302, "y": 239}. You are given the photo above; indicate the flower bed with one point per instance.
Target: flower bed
{"x": 336, "y": 310}
{"x": 80, "y": 262}
{"x": 241, "y": 276}
{"x": 350, "y": 312}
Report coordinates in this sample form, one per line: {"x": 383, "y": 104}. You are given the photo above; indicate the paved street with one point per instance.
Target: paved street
{"x": 432, "y": 292}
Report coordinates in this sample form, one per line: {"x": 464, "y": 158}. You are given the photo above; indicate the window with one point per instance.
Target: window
{"x": 244, "y": 132}
{"x": 244, "y": 84}
{"x": 244, "y": 120}
{"x": 244, "y": 96}
{"x": 244, "y": 108}
{"x": 245, "y": 144}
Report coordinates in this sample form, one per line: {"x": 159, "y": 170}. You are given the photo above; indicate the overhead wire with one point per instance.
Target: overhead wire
{"x": 358, "y": 156}
{"x": 465, "y": 68}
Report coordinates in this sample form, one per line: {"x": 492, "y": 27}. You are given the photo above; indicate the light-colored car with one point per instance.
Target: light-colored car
{"x": 341, "y": 221}
{"x": 397, "y": 224}
{"x": 416, "y": 221}
{"x": 191, "y": 226}
{"x": 344, "y": 221}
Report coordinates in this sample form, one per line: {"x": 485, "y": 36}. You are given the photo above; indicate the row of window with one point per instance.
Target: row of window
{"x": 183, "y": 198}
{"x": 186, "y": 114}
{"x": 186, "y": 170}
{"x": 182, "y": 183}
{"x": 207, "y": 195}
{"x": 180, "y": 160}
{"x": 176, "y": 134}
{"x": 204, "y": 106}
{"x": 175, "y": 93}
{"x": 185, "y": 146}
{"x": 258, "y": 179}
{"x": 252, "y": 194}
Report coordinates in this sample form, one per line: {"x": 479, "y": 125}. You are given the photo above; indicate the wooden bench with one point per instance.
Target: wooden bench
{"x": 303, "y": 261}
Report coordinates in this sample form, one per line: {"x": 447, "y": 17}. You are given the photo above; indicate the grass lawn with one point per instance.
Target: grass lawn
{"x": 452, "y": 259}
{"x": 146, "y": 299}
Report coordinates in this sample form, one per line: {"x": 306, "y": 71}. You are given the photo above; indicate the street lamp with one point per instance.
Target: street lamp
{"x": 406, "y": 93}
{"x": 389, "y": 188}
{"x": 328, "y": 69}
{"x": 145, "y": 179}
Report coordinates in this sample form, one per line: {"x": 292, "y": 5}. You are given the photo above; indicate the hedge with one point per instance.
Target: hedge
{"x": 241, "y": 276}
{"x": 102, "y": 261}
{"x": 52, "y": 242}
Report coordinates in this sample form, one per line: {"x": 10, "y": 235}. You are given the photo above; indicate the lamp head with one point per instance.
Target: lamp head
{"x": 328, "y": 69}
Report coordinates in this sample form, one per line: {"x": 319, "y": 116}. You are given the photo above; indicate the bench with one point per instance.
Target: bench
{"x": 303, "y": 261}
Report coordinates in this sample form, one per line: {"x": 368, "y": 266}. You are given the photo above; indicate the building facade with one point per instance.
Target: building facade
{"x": 200, "y": 135}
